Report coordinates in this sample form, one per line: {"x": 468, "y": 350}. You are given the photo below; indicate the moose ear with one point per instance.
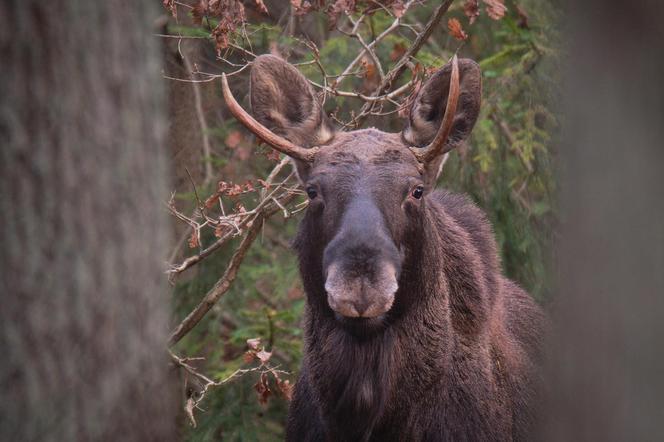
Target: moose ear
{"x": 283, "y": 101}
{"x": 427, "y": 112}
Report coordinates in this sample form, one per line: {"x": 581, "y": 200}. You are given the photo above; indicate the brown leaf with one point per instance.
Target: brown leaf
{"x": 193, "y": 240}
{"x": 219, "y": 231}
{"x": 472, "y": 10}
{"x": 456, "y": 30}
{"x": 495, "y": 8}
{"x": 261, "y": 6}
{"x": 249, "y": 187}
{"x": 264, "y": 356}
{"x": 286, "y": 389}
{"x": 249, "y": 356}
{"x": 262, "y": 389}
{"x": 198, "y": 11}
{"x": 233, "y": 139}
{"x": 272, "y": 155}
{"x": 171, "y": 7}
{"x": 212, "y": 200}
{"x": 301, "y": 7}
{"x": 397, "y": 51}
{"x": 398, "y": 8}
{"x": 370, "y": 71}
{"x": 253, "y": 343}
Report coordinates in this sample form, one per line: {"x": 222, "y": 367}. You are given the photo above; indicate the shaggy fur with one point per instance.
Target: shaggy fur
{"x": 455, "y": 356}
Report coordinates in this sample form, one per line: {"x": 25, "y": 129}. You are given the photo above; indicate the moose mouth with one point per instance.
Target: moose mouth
{"x": 363, "y": 326}
{"x": 361, "y": 304}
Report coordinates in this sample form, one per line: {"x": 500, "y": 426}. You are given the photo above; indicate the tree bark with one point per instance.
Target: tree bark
{"x": 608, "y": 365}
{"x": 83, "y": 233}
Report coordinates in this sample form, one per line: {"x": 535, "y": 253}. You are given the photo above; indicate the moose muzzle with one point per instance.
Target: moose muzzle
{"x": 361, "y": 263}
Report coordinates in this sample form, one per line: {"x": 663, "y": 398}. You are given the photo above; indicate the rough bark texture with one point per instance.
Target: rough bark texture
{"x": 82, "y": 231}
{"x": 607, "y": 369}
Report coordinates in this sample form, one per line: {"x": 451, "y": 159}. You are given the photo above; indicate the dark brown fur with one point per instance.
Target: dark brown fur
{"x": 455, "y": 356}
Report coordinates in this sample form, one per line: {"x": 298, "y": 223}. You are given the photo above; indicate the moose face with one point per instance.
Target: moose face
{"x": 364, "y": 190}
{"x": 367, "y": 188}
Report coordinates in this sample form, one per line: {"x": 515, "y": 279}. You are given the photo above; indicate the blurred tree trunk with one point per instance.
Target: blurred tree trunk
{"x": 608, "y": 365}
{"x": 83, "y": 233}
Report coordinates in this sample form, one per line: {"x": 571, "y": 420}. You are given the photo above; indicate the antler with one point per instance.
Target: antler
{"x": 279, "y": 143}
{"x": 437, "y": 146}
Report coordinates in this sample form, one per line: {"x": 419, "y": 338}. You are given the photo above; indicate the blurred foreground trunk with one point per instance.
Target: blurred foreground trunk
{"x": 83, "y": 232}
{"x": 608, "y": 370}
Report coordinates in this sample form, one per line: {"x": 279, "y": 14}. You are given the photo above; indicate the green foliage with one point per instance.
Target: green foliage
{"x": 507, "y": 168}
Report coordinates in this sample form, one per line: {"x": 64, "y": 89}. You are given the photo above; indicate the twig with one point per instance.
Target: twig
{"x": 398, "y": 69}
{"x": 265, "y": 207}
{"x": 393, "y": 94}
{"x": 198, "y": 104}
{"x": 382, "y": 35}
{"x": 225, "y": 282}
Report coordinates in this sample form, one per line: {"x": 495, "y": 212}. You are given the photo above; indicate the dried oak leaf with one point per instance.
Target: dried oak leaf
{"x": 301, "y": 7}
{"x": 262, "y": 389}
{"x": 198, "y": 11}
{"x": 171, "y": 7}
{"x": 286, "y": 389}
{"x": 249, "y": 356}
{"x": 398, "y": 8}
{"x": 193, "y": 240}
{"x": 212, "y": 200}
{"x": 272, "y": 155}
{"x": 495, "y": 8}
{"x": 456, "y": 30}
{"x": 264, "y": 356}
{"x": 230, "y": 13}
{"x": 233, "y": 139}
{"x": 261, "y": 6}
{"x": 249, "y": 186}
{"x": 397, "y": 51}
{"x": 264, "y": 184}
{"x": 220, "y": 231}
{"x": 253, "y": 343}
{"x": 472, "y": 10}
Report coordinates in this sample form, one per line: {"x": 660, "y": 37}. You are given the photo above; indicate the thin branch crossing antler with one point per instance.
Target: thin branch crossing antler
{"x": 279, "y": 143}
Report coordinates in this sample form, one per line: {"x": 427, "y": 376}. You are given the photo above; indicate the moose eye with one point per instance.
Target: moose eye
{"x": 418, "y": 192}
{"x": 311, "y": 192}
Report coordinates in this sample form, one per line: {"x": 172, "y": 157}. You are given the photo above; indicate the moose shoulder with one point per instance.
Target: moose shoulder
{"x": 411, "y": 331}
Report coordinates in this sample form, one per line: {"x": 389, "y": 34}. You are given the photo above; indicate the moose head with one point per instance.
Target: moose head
{"x": 368, "y": 189}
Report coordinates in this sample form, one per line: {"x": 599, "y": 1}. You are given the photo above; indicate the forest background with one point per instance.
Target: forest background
{"x": 236, "y": 204}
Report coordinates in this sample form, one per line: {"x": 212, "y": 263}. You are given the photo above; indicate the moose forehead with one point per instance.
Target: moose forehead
{"x": 365, "y": 151}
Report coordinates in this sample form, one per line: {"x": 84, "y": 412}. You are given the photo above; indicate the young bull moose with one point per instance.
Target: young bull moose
{"x": 411, "y": 333}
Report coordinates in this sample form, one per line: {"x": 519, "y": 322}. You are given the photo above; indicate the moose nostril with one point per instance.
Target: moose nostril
{"x": 361, "y": 307}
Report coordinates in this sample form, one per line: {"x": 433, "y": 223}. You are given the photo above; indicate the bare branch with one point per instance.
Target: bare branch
{"x": 382, "y": 35}
{"x": 400, "y": 66}
{"x": 198, "y": 103}
{"x": 225, "y": 282}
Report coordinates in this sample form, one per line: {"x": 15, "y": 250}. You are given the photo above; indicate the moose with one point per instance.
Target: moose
{"x": 412, "y": 333}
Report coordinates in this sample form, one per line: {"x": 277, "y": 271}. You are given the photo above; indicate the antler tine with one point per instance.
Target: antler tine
{"x": 437, "y": 146}
{"x": 279, "y": 143}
